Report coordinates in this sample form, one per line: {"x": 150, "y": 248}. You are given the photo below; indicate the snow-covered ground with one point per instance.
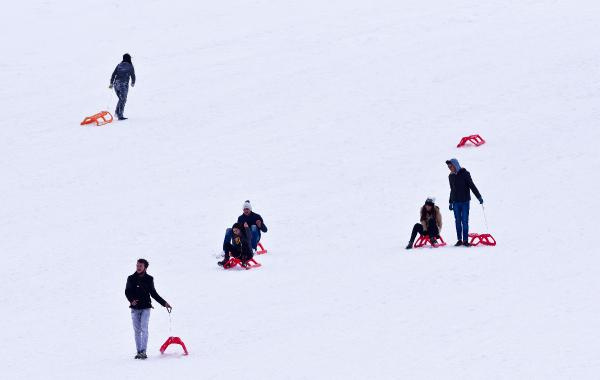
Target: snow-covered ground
{"x": 335, "y": 119}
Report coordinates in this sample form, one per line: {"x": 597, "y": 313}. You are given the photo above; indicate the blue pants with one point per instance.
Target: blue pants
{"x": 255, "y": 236}
{"x": 140, "y": 318}
{"x": 461, "y": 217}
{"x": 121, "y": 89}
{"x": 255, "y": 232}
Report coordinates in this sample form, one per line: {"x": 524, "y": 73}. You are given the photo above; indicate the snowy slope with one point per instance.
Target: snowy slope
{"x": 335, "y": 119}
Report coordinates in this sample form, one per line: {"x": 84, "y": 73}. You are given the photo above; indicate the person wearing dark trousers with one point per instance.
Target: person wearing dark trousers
{"x": 139, "y": 289}
{"x": 461, "y": 185}
{"x": 119, "y": 80}
{"x": 430, "y": 223}
{"x": 239, "y": 246}
{"x": 255, "y": 221}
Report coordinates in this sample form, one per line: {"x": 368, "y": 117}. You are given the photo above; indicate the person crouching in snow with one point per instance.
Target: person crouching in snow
{"x": 431, "y": 223}
{"x": 238, "y": 246}
{"x": 461, "y": 185}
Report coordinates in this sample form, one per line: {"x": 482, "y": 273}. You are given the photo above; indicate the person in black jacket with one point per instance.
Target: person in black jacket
{"x": 239, "y": 245}
{"x": 255, "y": 221}
{"x": 461, "y": 186}
{"x": 139, "y": 289}
{"x": 120, "y": 81}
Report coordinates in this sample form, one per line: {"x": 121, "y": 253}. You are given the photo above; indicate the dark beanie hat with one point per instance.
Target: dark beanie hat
{"x": 126, "y": 58}
{"x": 430, "y": 201}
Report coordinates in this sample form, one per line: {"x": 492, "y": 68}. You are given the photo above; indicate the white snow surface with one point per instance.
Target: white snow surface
{"x": 334, "y": 118}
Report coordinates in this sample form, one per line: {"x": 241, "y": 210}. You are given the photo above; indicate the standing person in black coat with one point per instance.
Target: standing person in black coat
{"x": 139, "y": 289}
{"x": 461, "y": 186}
{"x": 120, "y": 81}
{"x": 255, "y": 221}
{"x": 238, "y": 246}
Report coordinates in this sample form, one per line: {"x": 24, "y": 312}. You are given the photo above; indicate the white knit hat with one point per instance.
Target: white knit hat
{"x": 247, "y": 205}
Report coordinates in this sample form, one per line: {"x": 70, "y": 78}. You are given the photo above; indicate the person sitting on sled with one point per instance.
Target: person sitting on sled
{"x": 255, "y": 221}
{"x": 431, "y": 223}
{"x": 238, "y": 246}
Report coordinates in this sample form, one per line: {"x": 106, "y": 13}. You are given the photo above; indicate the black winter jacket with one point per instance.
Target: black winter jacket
{"x": 240, "y": 246}
{"x": 251, "y": 220}
{"x": 122, "y": 72}
{"x": 141, "y": 287}
{"x": 461, "y": 186}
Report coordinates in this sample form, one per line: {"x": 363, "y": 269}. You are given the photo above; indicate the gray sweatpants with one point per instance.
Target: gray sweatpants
{"x": 140, "y": 318}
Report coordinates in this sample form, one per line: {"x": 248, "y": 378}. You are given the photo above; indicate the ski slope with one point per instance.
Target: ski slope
{"x": 335, "y": 119}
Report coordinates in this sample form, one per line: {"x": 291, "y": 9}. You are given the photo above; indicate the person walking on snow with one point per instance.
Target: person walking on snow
{"x": 431, "y": 223}
{"x": 461, "y": 186}
{"x": 139, "y": 289}
{"x": 119, "y": 80}
{"x": 255, "y": 221}
{"x": 238, "y": 245}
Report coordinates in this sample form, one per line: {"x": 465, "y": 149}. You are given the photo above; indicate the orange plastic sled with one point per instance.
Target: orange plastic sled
{"x": 100, "y": 118}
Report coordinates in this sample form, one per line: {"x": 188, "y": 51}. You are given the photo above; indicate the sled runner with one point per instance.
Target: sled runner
{"x": 262, "y": 250}
{"x": 475, "y": 139}
{"x": 173, "y": 340}
{"x": 100, "y": 118}
{"x": 233, "y": 262}
{"x": 484, "y": 239}
{"x": 423, "y": 240}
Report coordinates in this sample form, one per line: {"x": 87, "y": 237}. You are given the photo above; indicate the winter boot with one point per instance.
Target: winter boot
{"x": 458, "y": 243}
{"x": 143, "y": 355}
{"x": 466, "y": 244}
{"x": 410, "y": 245}
{"x": 138, "y": 356}
{"x": 433, "y": 241}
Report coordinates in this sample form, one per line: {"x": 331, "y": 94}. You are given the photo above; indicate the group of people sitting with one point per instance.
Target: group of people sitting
{"x": 241, "y": 240}
{"x": 461, "y": 185}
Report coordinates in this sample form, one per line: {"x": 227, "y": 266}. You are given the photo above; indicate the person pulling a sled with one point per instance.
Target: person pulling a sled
{"x": 461, "y": 186}
{"x": 238, "y": 246}
{"x": 119, "y": 80}
{"x": 139, "y": 289}
{"x": 431, "y": 223}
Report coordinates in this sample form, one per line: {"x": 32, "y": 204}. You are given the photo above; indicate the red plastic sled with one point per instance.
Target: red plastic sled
{"x": 475, "y": 139}
{"x": 484, "y": 239}
{"x": 423, "y": 240}
{"x": 262, "y": 250}
{"x": 100, "y": 118}
{"x": 173, "y": 340}
{"x": 233, "y": 262}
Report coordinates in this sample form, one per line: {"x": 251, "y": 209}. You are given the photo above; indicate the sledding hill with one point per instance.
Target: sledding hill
{"x": 335, "y": 119}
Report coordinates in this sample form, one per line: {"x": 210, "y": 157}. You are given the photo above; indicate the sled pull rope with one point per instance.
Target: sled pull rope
{"x": 110, "y": 90}
{"x": 487, "y": 230}
{"x": 170, "y": 324}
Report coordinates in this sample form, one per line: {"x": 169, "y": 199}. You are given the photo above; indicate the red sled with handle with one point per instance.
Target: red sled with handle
{"x": 424, "y": 240}
{"x": 262, "y": 250}
{"x": 233, "y": 262}
{"x": 173, "y": 340}
{"x": 475, "y": 139}
{"x": 483, "y": 239}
